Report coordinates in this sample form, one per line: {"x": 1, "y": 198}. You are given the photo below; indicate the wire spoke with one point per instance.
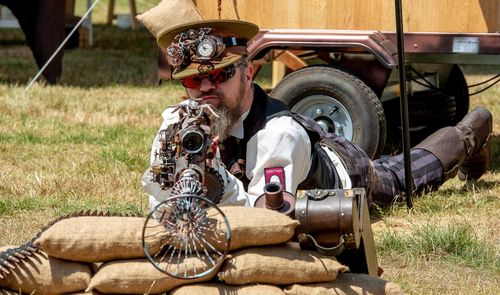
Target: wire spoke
{"x": 192, "y": 240}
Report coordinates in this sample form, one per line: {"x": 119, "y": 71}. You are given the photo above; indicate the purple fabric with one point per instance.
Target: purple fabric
{"x": 427, "y": 174}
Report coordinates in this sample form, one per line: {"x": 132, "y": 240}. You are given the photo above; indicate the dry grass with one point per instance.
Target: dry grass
{"x": 434, "y": 276}
{"x": 65, "y": 149}
{"x": 474, "y": 206}
{"x": 84, "y": 145}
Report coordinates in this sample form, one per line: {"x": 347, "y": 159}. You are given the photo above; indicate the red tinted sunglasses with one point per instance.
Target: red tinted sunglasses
{"x": 215, "y": 77}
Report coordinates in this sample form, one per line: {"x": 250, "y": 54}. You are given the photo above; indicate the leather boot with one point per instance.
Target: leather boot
{"x": 482, "y": 124}
{"x": 465, "y": 147}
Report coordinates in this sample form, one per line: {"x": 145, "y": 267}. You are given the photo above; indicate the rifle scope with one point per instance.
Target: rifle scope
{"x": 192, "y": 139}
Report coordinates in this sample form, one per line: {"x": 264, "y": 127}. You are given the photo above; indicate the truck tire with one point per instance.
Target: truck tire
{"x": 446, "y": 107}
{"x": 428, "y": 111}
{"x": 456, "y": 86}
{"x": 339, "y": 102}
{"x": 430, "y": 108}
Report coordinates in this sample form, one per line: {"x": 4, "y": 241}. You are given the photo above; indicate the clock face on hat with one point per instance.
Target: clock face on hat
{"x": 206, "y": 48}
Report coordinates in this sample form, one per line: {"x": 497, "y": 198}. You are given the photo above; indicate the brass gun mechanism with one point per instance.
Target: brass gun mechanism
{"x": 333, "y": 222}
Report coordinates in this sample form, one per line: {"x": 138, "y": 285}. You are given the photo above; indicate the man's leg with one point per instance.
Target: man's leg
{"x": 427, "y": 173}
{"x": 464, "y": 148}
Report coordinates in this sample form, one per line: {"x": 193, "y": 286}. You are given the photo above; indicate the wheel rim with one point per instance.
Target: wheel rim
{"x": 328, "y": 112}
{"x": 186, "y": 237}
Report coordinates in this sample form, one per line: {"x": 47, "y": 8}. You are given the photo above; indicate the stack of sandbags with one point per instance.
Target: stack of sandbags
{"x": 43, "y": 274}
{"x": 68, "y": 251}
{"x": 250, "y": 228}
{"x": 262, "y": 260}
{"x": 344, "y": 284}
{"x": 347, "y": 284}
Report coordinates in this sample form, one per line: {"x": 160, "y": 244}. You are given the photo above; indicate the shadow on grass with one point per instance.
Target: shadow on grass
{"x": 443, "y": 199}
{"x": 471, "y": 186}
{"x": 495, "y": 154}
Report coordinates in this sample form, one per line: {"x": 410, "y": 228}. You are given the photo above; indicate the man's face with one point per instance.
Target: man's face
{"x": 229, "y": 98}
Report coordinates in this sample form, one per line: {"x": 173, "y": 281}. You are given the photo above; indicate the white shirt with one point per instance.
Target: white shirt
{"x": 281, "y": 143}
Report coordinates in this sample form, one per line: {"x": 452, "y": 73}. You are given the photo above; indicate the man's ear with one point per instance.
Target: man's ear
{"x": 249, "y": 73}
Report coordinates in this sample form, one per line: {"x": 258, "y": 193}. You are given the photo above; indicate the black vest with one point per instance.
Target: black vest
{"x": 322, "y": 173}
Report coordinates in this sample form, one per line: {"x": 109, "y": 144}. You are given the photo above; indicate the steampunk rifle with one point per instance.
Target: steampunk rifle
{"x": 190, "y": 234}
{"x": 185, "y": 153}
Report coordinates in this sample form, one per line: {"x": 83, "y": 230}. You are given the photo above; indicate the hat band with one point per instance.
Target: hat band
{"x": 233, "y": 41}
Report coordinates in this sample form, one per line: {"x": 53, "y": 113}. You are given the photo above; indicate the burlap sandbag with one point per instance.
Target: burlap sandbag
{"x": 348, "y": 284}
{"x": 138, "y": 276}
{"x": 249, "y": 227}
{"x": 252, "y": 227}
{"x": 218, "y": 289}
{"x": 279, "y": 265}
{"x": 98, "y": 238}
{"x": 41, "y": 274}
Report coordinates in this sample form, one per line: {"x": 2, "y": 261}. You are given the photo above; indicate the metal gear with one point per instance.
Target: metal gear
{"x": 214, "y": 185}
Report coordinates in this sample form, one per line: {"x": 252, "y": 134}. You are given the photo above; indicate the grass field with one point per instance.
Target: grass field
{"x": 83, "y": 144}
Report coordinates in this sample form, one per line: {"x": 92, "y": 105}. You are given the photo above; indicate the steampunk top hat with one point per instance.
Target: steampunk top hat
{"x": 195, "y": 45}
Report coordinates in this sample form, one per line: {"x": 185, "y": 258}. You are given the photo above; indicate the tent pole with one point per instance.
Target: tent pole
{"x": 404, "y": 104}
{"x": 89, "y": 10}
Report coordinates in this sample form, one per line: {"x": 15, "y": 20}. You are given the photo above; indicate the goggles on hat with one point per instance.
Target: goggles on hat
{"x": 216, "y": 76}
{"x": 199, "y": 46}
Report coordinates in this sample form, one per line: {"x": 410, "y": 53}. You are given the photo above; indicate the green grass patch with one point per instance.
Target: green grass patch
{"x": 456, "y": 243}
{"x": 27, "y": 203}
{"x": 72, "y": 206}
{"x": 80, "y": 134}
{"x": 121, "y": 155}
{"x": 67, "y": 203}
{"x": 3, "y": 207}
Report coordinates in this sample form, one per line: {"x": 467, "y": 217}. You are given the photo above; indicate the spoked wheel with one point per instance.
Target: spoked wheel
{"x": 186, "y": 237}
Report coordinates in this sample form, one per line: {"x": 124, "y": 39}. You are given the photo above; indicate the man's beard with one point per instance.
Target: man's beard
{"x": 228, "y": 115}
{"x": 224, "y": 123}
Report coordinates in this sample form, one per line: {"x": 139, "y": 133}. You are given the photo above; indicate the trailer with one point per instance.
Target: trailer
{"x": 336, "y": 61}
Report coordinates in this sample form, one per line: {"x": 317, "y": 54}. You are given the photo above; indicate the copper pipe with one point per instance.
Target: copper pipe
{"x": 274, "y": 196}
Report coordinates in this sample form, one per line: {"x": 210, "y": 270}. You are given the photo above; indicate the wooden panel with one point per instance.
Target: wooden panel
{"x": 498, "y": 17}
{"x": 479, "y": 16}
{"x": 451, "y": 15}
